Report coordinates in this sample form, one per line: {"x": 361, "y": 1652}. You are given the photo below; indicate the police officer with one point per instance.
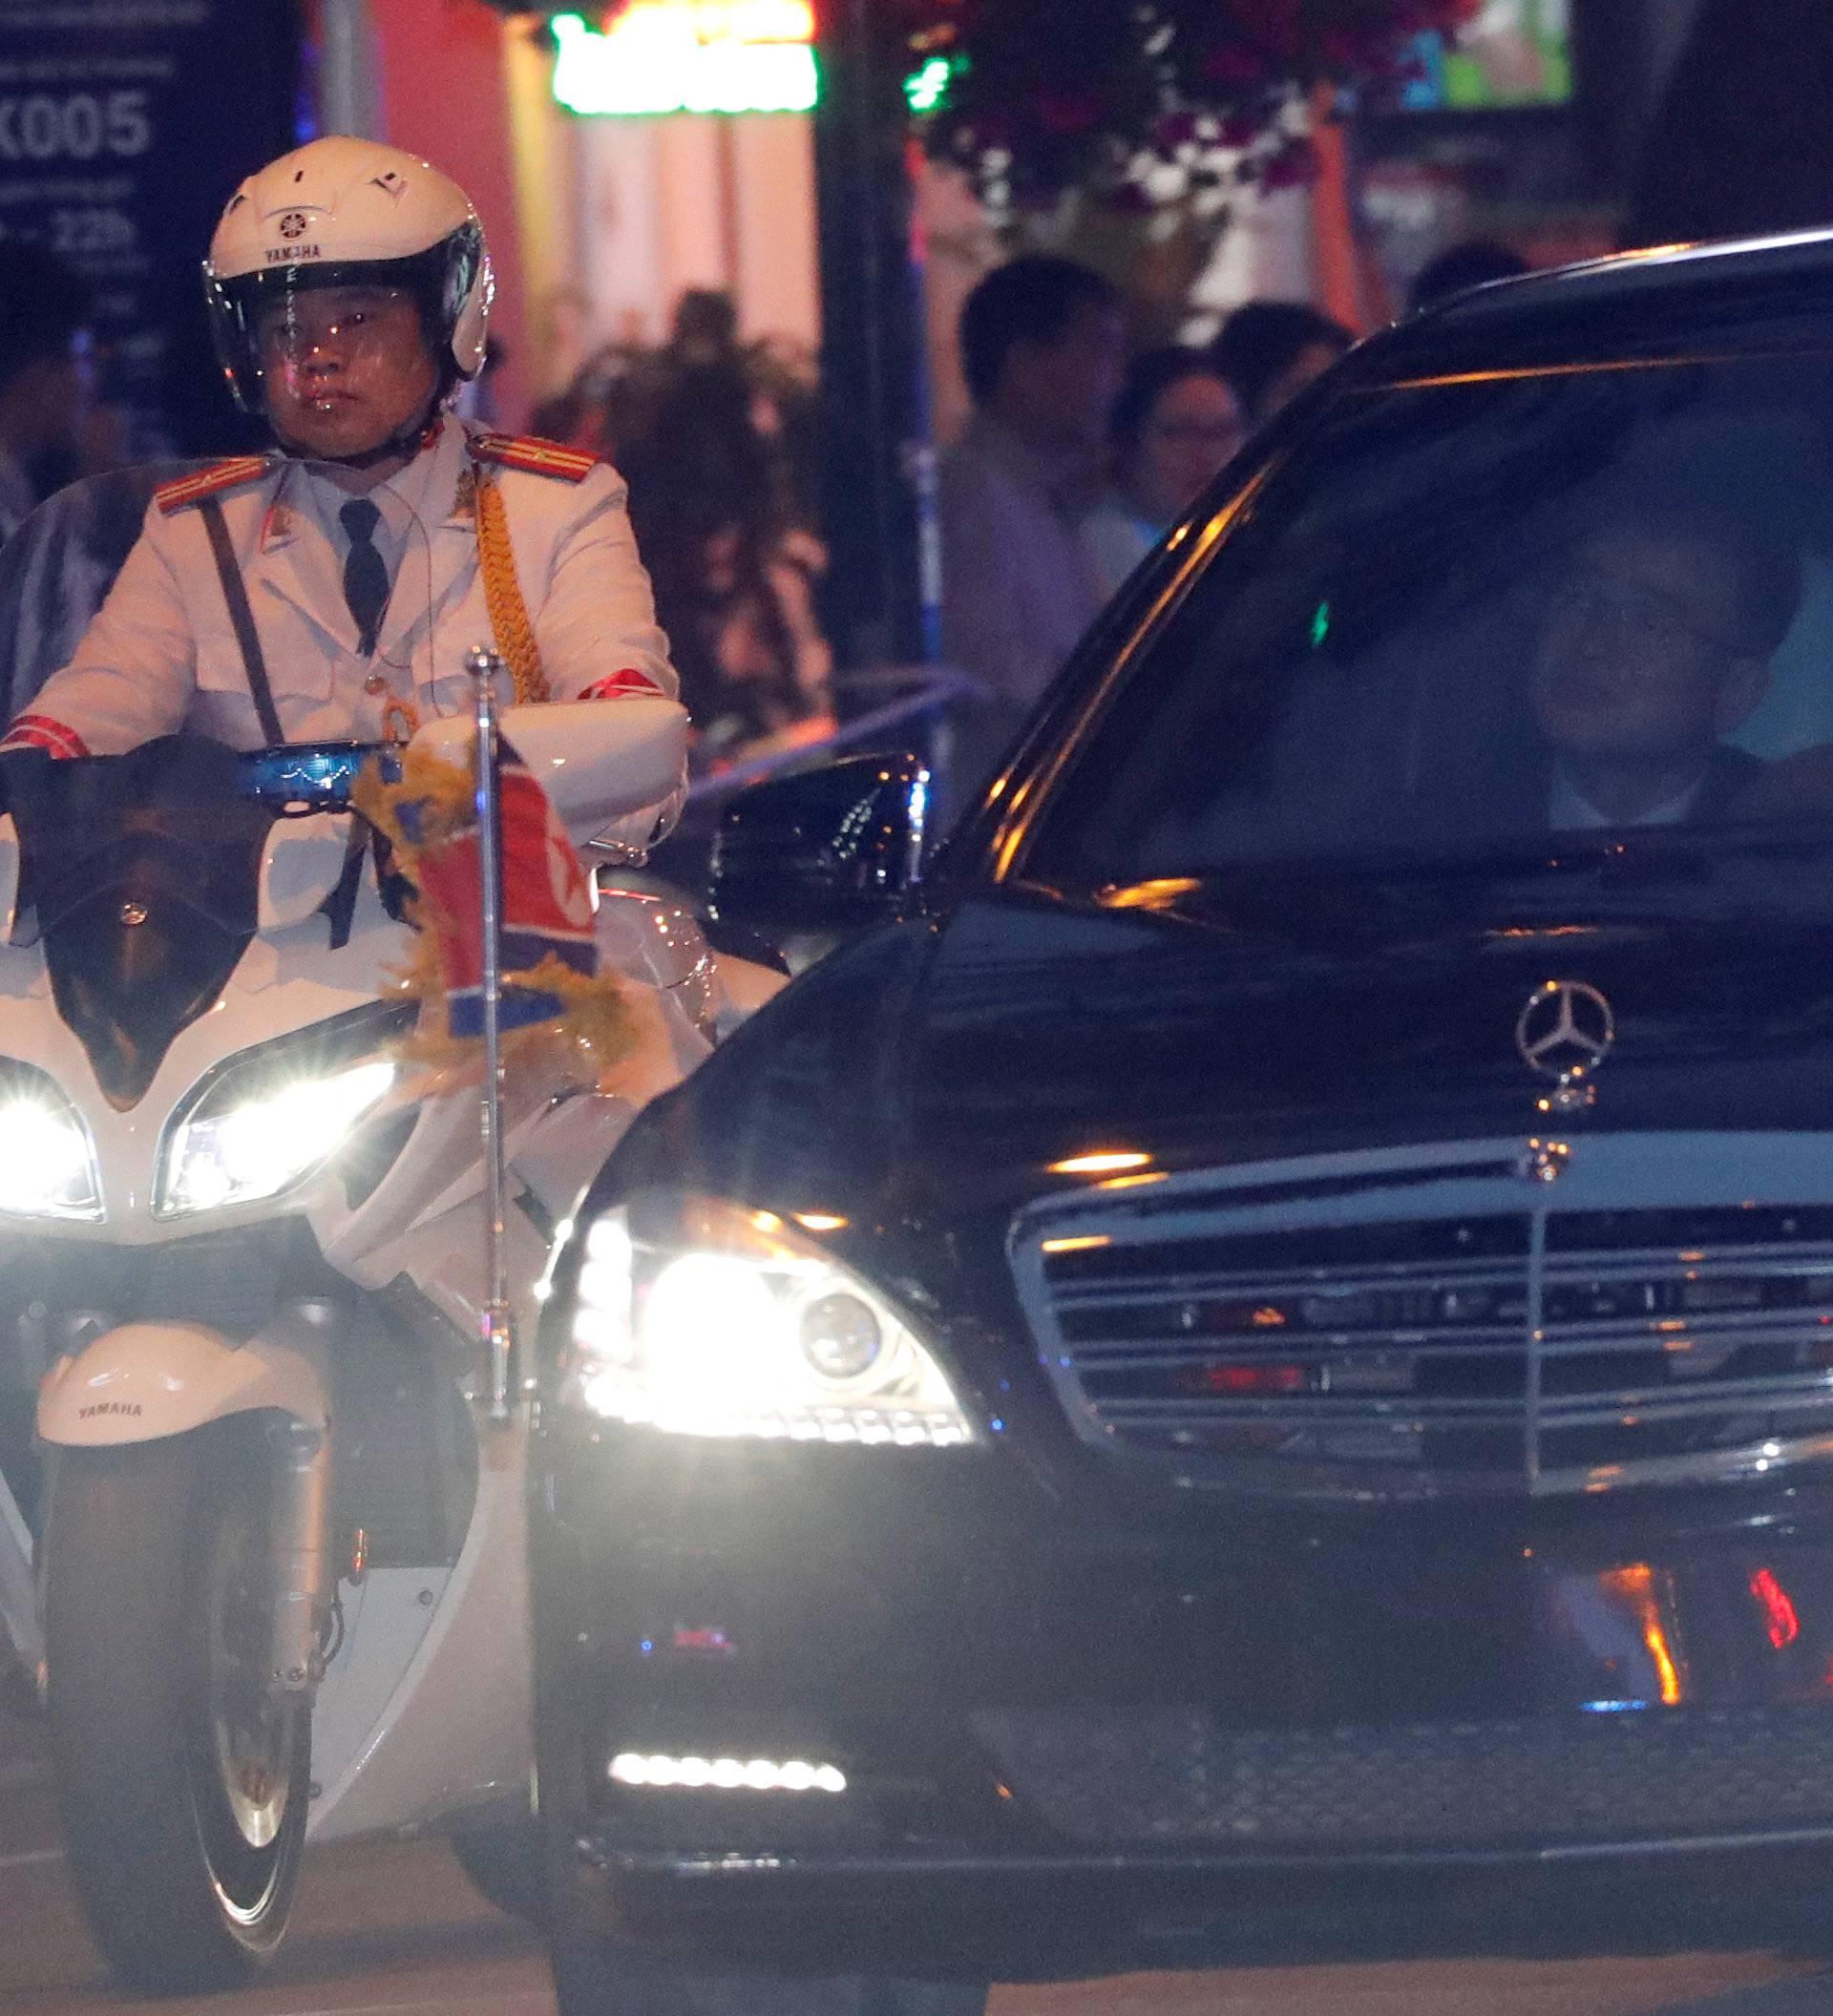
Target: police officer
{"x": 331, "y": 589}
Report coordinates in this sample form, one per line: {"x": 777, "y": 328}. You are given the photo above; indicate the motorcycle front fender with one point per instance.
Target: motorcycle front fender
{"x": 142, "y": 1382}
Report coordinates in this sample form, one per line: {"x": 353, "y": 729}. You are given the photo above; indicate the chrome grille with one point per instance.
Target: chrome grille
{"x": 1448, "y": 1329}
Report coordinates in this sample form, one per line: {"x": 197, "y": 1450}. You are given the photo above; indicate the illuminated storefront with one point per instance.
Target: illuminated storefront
{"x": 620, "y": 154}
{"x": 659, "y": 56}
{"x": 677, "y": 136}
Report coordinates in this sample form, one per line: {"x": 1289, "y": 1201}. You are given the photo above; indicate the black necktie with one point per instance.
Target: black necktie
{"x": 365, "y": 573}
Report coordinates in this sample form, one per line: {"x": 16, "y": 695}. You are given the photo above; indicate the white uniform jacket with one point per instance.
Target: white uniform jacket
{"x": 161, "y": 652}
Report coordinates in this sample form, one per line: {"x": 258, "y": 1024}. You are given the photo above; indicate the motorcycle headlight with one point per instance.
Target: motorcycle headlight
{"x": 696, "y": 1317}
{"x": 267, "y": 1120}
{"x": 47, "y": 1160}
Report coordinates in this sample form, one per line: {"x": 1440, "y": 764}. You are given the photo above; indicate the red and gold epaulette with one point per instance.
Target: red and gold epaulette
{"x": 534, "y": 456}
{"x": 208, "y": 482}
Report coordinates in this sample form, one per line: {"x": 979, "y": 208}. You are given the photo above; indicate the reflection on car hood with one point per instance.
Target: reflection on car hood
{"x": 943, "y": 1066}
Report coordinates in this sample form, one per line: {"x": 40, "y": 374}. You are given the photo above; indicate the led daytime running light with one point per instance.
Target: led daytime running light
{"x": 724, "y": 1774}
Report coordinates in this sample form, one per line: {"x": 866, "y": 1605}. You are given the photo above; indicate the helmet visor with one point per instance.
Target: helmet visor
{"x": 355, "y": 321}
{"x": 264, "y": 320}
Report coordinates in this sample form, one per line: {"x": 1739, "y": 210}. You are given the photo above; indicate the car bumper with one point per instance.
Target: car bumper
{"x": 1025, "y": 1684}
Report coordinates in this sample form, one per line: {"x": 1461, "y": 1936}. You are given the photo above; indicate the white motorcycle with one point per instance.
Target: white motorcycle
{"x": 282, "y": 1573}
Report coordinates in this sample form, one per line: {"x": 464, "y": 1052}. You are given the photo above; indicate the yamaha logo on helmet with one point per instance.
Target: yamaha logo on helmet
{"x": 289, "y": 255}
{"x": 295, "y": 225}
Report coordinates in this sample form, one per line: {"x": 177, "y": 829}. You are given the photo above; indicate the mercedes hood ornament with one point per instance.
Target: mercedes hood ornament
{"x": 1565, "y": 1032}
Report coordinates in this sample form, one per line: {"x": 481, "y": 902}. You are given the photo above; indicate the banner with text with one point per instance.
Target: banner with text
{"x": 124, "y": 127}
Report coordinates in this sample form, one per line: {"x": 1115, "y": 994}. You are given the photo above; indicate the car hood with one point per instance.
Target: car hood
{"x": 952, "y": 1063}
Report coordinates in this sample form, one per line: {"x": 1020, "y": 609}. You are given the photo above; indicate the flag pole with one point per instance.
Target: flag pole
{"x": 499, "y": 1322}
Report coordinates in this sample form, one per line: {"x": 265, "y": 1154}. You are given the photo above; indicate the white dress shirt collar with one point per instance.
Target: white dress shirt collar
{"x": 1571, "y": 812}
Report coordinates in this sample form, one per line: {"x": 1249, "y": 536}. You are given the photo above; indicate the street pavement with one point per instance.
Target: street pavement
{"x": 391, "y": 1928}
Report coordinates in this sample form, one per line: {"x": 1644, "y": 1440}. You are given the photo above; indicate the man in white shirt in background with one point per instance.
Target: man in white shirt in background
{"x": 1043, "y": 347}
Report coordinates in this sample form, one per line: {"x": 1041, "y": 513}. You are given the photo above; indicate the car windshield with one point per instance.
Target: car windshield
{"x": 1472, "y": 614}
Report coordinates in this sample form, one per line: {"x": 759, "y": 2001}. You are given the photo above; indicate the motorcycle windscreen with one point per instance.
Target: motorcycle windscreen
{"x": 142, "y": 873}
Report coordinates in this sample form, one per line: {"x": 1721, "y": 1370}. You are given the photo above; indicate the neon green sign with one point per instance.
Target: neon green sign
{"x": 926, "y": 88}
{"x": 659, "y": 56}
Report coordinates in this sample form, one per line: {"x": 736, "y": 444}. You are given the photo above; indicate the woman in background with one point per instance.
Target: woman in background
{"x": 1174, "y": 426}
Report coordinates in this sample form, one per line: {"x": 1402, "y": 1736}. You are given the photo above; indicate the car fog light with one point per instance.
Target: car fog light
{"x": 841, "y": 1337}
{"x": 724, "y": 1774}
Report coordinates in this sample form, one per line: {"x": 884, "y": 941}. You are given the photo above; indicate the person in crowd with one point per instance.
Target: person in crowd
{"x": 1655, "y": 647}
{"x": 1174, "y": 426}
{"x": 705, "y": 328}
{"x": 1474, "y": 262}
{"x": 734, "y": 574}
{"x": 331, "y": 588}
{"x": 46, "y": 391}
{"x": 704, "y": 348}
{"x": 1043, "y": 351}
{"x": 1268, "y": 351}
{"x": 613, "y": 399}
{"x": 618, "y": 398}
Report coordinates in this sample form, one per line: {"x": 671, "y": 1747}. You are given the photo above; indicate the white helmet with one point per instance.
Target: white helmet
{"x": 337, "y": 212}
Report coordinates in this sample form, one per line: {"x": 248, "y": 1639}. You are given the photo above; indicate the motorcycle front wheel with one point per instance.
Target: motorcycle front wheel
{"x": 182, "y": 1773}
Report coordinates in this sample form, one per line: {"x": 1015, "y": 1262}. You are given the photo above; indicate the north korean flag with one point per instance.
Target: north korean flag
{"x": 547, "y": 906}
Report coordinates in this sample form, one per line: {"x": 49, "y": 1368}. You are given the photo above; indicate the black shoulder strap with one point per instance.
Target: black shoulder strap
{"x": 235, "y": 595}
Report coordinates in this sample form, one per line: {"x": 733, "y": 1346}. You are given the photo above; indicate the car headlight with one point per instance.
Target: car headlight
{"x": 47, "y": 1160}
{"x": 268, "y": 1119}
{"x": 697, "y": 1316}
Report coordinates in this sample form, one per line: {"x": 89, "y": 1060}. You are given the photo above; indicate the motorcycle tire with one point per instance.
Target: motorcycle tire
{"x": 182, "y": 1775}
{"x": 604, "y": 1977}
{"x": 505, "y": 1866}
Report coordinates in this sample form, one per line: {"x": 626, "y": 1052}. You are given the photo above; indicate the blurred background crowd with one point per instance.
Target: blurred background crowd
{"x": 911, "y": 364}
{"x": 1081, "y": 449}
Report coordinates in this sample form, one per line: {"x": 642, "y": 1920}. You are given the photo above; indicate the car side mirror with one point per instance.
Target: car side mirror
{"x": 823, "y": 851}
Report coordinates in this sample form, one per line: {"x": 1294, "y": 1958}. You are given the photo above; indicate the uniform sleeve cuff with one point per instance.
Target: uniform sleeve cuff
{"x": 621, "y": 684}
{"x": 39, "y": 731}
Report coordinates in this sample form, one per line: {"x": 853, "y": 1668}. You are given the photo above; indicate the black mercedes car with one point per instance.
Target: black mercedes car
{"x": 1270, "y": 1304}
